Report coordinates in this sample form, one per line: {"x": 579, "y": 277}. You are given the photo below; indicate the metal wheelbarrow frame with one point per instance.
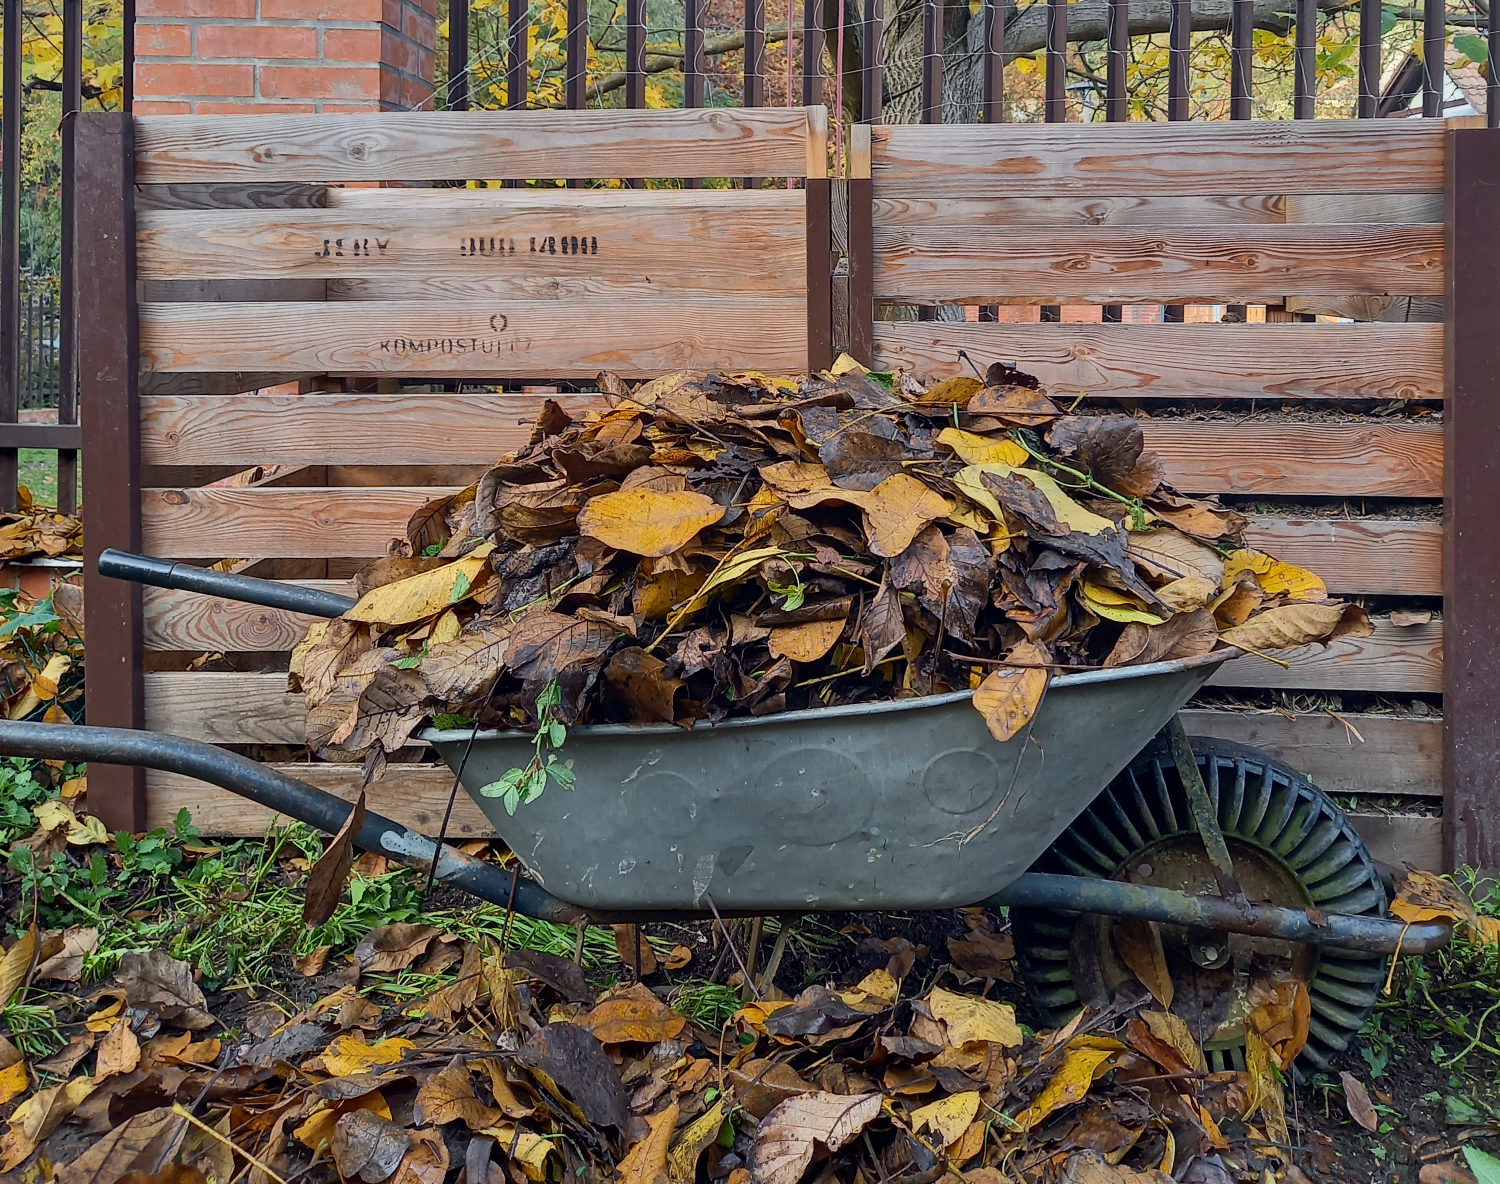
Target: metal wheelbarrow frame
{"x": 1230, "y": 911}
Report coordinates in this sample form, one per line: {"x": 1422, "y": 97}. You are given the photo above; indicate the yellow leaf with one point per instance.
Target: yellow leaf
{"x": 318, "y": 1129}
{"x": 1170, "y": 554}
{"x": 13, "y": 1082}
{"x": 730, "y": 571}
{"x": 1009, "y": 695}
{"x": 346, "y": 1056}
{"x": 969, "y": 1018}
{"x": 795, "y": 476}
{"x": 846, "y": 365}
{"x": 880, "y": 984}
{"x": 424, "y": 594}
{"x": 1423, "y": 896}
{"x": 655, "y": 599}
{"x": 896, "y": 511}
{"x": 16, "y": 965}
{"x": 1068, "y": 1084}
{"x": 974, "y": 449}
{"x": 754, "y": 1015}
{"x": 46, "y": 682}
{"x": 1187, "y": 594}
{"x": 1113, "y": 605}
{"x": 950, "y": 1117}
{"x": 647, "y": 521}
{"x": 1264, "y": 1088}
{"x": 1486, "y": 930}
{"x": 1294, "y": 625}
{"x": 807, "y": 642}
{"x": 958, "y": 389}
{"x": 119, "y": 1051}
{"x": 104, "y": 1019}
{"x": 1173, "y": 1029}
{"x": 682, "y": 1161}
{"x": 648, "y": 1159}
{"x": 1068, "y": 512}
{"x": 446, "y": 629}
{"x": 531, "y": 1150}
{"x": 54, "y": 814}
{"x": 86, "y": 831}
{"x": 1275, "y": 576}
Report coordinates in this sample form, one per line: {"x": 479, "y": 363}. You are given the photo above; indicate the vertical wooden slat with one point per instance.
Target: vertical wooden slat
{"x": 1434, "y": 43}
{"x": 1369, "y": 58}
{"x": 1179, "y": 41}
{"x": 1241, "y": 30}
{"x": 1057, "y": 63}
{"x": 458, "y": 55}
{"x": 819, "y": 196}
{"x": 873, "y": 99}
{"x": 1117, "y": 100}
{"x": 861, "y": 248}
{"x": 109, "y": 362}
{"x": 1305, "y": 81}
{"x": 992, "y": 105}
{"x": 10, "y": 248}
{"x": 1471, "y": 491}
{"x": 932, "y": 61}
{"x": 518, "y": 15}
{"x": 812, "y": 54}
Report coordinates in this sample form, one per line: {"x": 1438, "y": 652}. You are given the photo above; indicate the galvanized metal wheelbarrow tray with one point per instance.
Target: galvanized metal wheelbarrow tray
{"x": 897, "y": 805}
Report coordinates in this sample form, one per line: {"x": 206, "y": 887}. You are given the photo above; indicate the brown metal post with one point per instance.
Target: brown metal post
{"x": 1370, "y": 34}
{"x": 874, "y": 88}
{"x": 575, "y": 78}
{"x": 458, "y": 55}
{"x": 819, "y": 195}
{"x": 992, "y": 101}
{"x": 1241, "y": 30}
{"x": 755, "y": 63}
{"x": 1180, "y": 42}
{"x": 1434, "y": 42}
{"x": 109, "y": 361}
{"x": 1305, "y": 85}
{"x": 515, "y": 71}
{"x": 128, "y": 49}
{"x": 1117, "y": 98}
{"x": 67, "y": 336}
{"x": 1492, "y": 87}
{"x": 1471, "y": 492}
{"x": 10, "y": 249}
{"x": 812, "y": 54}
{"x": 861, "y": 250}
{"x": 635, "y": 65}
{"x": 932, "y": 61}
{"x": 1057, "y": 61}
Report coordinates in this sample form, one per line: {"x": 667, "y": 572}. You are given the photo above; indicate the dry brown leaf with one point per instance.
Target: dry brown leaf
{"x": 784, "y": 1142}
{"x": 37, "y": 1117}
{"x": 16, "y": 965}
{"x": 896, "y": 511}
{"x": 647, "y": 522}
{"x": 646, "y": 1161}
{"x": 1173, "y": 1029}
{"x": 392, "y": 947}
{"x": 65, "y": 963}
{"x": 328, "y": 877}
{"x": 311, "y": 965}
{"x": 984, "y": 955}
{"x": 807, "y": 642}
{"x": 679, "y": 957}
{"x": 119, "y": 1052}
{"x": 1009, "y": 695}
{"x": 1167, "y": 554}
{"x": 1357, "y": 1099}
{"x": 153, "y": 981}
{"x": 368, "y": 1146}
{"x": 1139, "y": 945}
{"x": 142, "y": 1144}
{"x": 446, "y": 1004}
{"x": 633, "y": 1015}
{"x": 448, "y": 1096}
{"x": 1294, "y": 625}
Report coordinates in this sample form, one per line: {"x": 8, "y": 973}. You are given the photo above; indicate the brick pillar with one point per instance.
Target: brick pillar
{"x": 234, "y": 56}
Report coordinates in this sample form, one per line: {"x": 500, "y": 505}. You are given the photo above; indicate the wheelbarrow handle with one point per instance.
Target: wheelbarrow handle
{"x": 285, "y": 795}
{"x": 163, "y": 573}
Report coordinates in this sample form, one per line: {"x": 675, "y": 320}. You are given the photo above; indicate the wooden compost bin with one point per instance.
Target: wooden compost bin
{"x": 221, "y": 257}
{"x": 1337, "y": 218}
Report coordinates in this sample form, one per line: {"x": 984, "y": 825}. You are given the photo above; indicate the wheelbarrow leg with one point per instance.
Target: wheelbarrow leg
{"x": 1204, "y": 813}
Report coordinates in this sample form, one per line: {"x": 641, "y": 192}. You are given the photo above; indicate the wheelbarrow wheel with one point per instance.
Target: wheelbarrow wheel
{"x": 1291, "y": 846}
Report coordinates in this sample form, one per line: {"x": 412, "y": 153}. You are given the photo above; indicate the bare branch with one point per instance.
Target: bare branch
{"x": 658, "y": 63}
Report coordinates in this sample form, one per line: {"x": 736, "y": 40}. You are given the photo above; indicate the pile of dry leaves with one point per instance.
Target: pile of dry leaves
{"x": 30, "y": 531}
{"x": 732, "y": 544}
{"x": 519, "y": 1072}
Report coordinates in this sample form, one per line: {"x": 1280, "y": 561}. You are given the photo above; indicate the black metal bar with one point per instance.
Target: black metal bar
{"x": 932, "y": 61}
{"x": 1116, "y": 98}
{"x": 1241, "y": 31}
{"x": 1492, "y": 85}
{"x": 1434, "y": 43}
{"x": 515, "y": 72}
{"x": 692, "y": 63}
{"x": 1202, "y": 807}
{"x": 873, "y": 99}
{"x": 128, "y": 54}
{"x": 575, "y": 79}
{"x": 10, "y": 248}
{"x": 1369, "y": 58}
{"x": 1179, "y": 51}
{"x": 755, "y": 63}
{"x": 812, "y": 54}
{"x": 1305, "y": 83}
{"x": 1369, "y": 935}
{"x": 458, "y": 55}
{"x": 285, "y": 795}
{"x": 1057, "y": 62}
{"x": 992, "y": 105}
{"x": 635, "y": 53}
{"x": 163, "y": 573}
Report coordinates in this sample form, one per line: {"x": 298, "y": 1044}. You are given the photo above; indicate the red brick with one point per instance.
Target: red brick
{"x": 150, "y": 107}
{"x": 318, "y": 82}
{"x": 262, "y": 42}
{"x": 350, "y": 109}
{"x": 390, "y": 87}
{"x": 163, "y": 41}
{"x": 418, "y": 25}
{"x": 324, "y": 10}
{"x": 415, "y": 93}
{"x": 398, "y": 53}
{"x": 222, "y": 9}
{"x": 390, "y": 13}
{"x": 351, "y": 45}
{"x": 193, "y": 78}
{"x": 252, "y": 107}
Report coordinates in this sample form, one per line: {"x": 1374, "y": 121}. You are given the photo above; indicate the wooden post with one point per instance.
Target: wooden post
{"x": 109, "y": 363}
{"x": 819, "y": 196}
{"x": 861, "y": 248}
{"x": 1471, "y": 493}
{"x": 10, "y": 251}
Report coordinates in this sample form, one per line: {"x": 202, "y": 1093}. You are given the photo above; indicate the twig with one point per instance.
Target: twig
{"x": 182, "y": 1112}
{"x": 730, "y": 942}
{"x": 852, "y": 670}
{"x": 1285, "y": 665}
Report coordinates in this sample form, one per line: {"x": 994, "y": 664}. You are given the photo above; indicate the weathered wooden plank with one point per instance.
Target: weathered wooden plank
{"x": 1403, "y": 659}
{"x": 1090, "y": 210}
{"x": 1293, "y": 458}
{"x": 288, "y": 523}
{"x": 225, "y": 708}
{"x": 1360, "y": 556}
{"x": 1188, "y": 360}
{"x": 636, "y": 338}
{"x": 220, "y": 291}
{"x": 1403, "y": 839}
{"x": 1390, "y": 755}
{"x": 1146, "y": 159}
{"x": 341, "y": 429}
{"x": 414, "y": 795}
{"x": 1364, "y": 207}
{"x": 583, "y": 243}
{"x": 255, "y": 196}
{"x": 189, "y": 621}
{"x": 424, "y": 146}
{"x": 214, "y": 384}
{"x": 1167, "y": 264}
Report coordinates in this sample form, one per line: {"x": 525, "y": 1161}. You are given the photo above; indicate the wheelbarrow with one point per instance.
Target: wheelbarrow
{"x": 1102, "y": 814}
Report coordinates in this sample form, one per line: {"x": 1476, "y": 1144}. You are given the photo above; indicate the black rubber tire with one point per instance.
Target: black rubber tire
{"x": 1260, "y": 801}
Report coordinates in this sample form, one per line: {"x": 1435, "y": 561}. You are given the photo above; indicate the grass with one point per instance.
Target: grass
{"x": 38, "y": 472}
